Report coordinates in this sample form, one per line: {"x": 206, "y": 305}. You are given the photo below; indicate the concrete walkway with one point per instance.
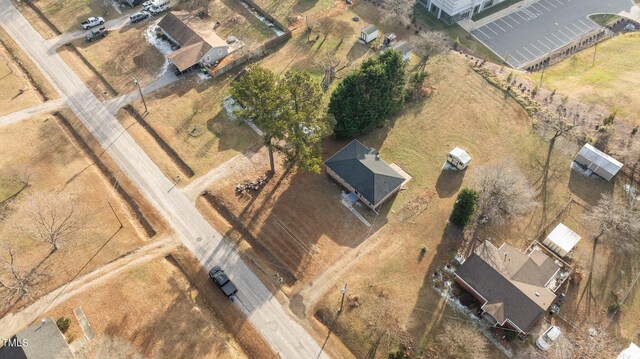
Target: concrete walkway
{"x": 46, "y": 107}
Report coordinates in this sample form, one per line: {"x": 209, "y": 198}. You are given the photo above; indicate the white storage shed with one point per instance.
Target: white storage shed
{"x": 368, "y": 33}
{"x": 598, "y": 162}
{"x": 459, "y": 158}
{"x": 561, "y": 240}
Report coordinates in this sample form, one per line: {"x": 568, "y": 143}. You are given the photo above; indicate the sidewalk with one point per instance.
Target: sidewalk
{"x": 471, "y": 25}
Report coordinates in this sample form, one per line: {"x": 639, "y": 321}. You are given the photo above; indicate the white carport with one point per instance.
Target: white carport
{"x": 598, "y": 162}
{"x": 561, "y": 240}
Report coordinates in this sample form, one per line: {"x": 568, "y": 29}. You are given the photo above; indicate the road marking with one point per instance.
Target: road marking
{"x": 559, "y": 2}
{"x": 544, "y": 7}
{"x": 535, "y": 47}
{"x": 506, "y": 23}
{"x": 579, "y": 28}
{"x": 547, "y": 1}
{"x": 516, "y": 21}
{"x": 532, "y": 54}
{"x": 536, "y": 9}
{"x": 565, "y": 35}
{"x": 570, "y": 31}
{"x": 543, "y": 44}
{"x": 586, "y": 25}
{"x": 482, "y": 32}
{"x": 499, "y": 27}
{"x": 521, "y": 55}
{"x": 562, "y": 42}
{"x": 523, "y": 18}
{"x": 554, "y": 44}
{"x": 491, "y": 29}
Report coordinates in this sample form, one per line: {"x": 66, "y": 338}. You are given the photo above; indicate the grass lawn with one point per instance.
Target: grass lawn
{"x": 392, "y": 284}
{"x": 157, "y": 309}
{"x": 236, "y": 20}
{"x": 611, "y": 83}
{"x": 286, "y": 10}
{"x": 494, "y": 9}
{"x": 67, "y": 15}
{"x": 14, "y": 77}
{"x": 604, "y": 19}
{"x": 36, "y": 151}
{"x": 123, "y": 55}
{"x": 454, "y": 31}
{"x": 178, "y": 109}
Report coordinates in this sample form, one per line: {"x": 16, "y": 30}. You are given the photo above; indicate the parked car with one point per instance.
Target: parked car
{"x": 549, "y": 337}
{"x": 92, "y": 22}
{"x": 159, "y": 6}
{"x": 223, "y": 282}
{"x": 139, "y": 16}
{"x": 94, "y": 35}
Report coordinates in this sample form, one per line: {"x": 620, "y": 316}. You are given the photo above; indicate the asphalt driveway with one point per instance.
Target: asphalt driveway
{"x": 542, "y": 27}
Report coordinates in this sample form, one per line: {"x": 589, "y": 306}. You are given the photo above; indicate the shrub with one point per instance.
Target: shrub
{"x": 511, "y": 335}
{"x": 63, "y": 324}
{"x": 456, "y": 43}
{"x": 464, "y": 207}
{"x": 609, "y": 119}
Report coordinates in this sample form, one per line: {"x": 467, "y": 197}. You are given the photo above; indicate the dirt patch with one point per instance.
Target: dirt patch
{"x": 44, "y": 158}
{"x": 22, "y": 69}
{"x": 127, "y": 197}
{"x": 158, "y": 310}
{"x": 184, "y": 167}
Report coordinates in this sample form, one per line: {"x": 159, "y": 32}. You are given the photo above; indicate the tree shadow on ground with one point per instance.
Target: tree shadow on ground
{"x": 357, "y": 51}
{"x": 589, "y": 188}
{"x": 449, "y": 182}
{"x": 427, "y": 315}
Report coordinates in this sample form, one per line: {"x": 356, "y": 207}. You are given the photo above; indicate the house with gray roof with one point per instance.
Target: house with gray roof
{"x": 360, "y": 170}
{"x": 404, "y": 48}
{"x": 513, "y": 288}
{"x": 42, "y": 340}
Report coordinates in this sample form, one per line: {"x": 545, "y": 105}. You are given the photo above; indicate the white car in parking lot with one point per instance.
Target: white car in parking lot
{"x": 547, "y": 339}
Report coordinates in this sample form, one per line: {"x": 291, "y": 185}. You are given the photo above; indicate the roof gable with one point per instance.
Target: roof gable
{"x": 362, "y": 168}
{"x": 513, "y": 279}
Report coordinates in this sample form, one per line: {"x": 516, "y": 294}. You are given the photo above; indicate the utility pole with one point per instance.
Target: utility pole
{"x": 344, "y": 290}
{"x": 541, "y": 77}
{"x": 135, "y": 81}
{"x": 595, "y": 50}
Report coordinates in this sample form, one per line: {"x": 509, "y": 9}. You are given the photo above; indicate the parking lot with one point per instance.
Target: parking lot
{"x": 538, "y": 29}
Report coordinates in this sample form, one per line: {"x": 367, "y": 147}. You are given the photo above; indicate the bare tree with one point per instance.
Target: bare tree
{"x": 504, "y": 193}
{"x": 397, "y": 11}
{"x": 326, "y": 26}
{"x": 52, "y": 218}
{"x": 584, "y": 342}
{"x": 631, "y": 157}
{"x": 18, "y": 282}
{"x": 618, "y": 222}
{"x": 342, "y": 30}
{"x": 429, "y": 44}
{"x": 461, "y": 341}
{"x": 109, "y": 347}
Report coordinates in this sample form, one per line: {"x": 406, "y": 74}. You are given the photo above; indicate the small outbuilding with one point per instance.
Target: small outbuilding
{"x": 404, "y": 48}
{"x": 459, "y": 158}
{"x": 42, "y": 340}
{"x": 360, "y": 170}
{"x": 561, "y": 240}
{"x": 368, "y": 33}
{"x": 598, "y": 162}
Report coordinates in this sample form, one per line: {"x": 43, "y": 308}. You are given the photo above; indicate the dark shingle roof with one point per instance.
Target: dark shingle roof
{"x": 44, "y": 341}
{"x": 516, "y": 306}
{"x": 362, "y": 169}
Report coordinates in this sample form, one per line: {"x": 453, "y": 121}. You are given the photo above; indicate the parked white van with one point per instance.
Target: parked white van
{"x": 159, "y": 6}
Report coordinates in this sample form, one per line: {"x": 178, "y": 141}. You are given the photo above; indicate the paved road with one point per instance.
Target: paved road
{"x": 535, "y": 30}
{"x": 30, "y": 112}
{"x": 285, "y": 335}
{"x": 67, "y": 37}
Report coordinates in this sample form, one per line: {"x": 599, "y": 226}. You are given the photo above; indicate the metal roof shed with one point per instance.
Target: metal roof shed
{"x": 598, "y": 162}
{"x": 561, "y": 240}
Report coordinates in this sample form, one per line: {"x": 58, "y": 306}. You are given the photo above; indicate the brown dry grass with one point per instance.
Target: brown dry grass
{"x": 67, "y": 15}
{"x": 13, "y": 78}
{"x": 93, "y": 82}
{"x": 49, "y": 162}
{"x": 123, "y": 55}
{"x": 158, "y": 310}
{"x": 188, "y": 104}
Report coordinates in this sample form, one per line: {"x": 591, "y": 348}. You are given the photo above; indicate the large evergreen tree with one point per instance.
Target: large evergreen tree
{"x": 288, "y": 110}
{"x": 369, "y": 96}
